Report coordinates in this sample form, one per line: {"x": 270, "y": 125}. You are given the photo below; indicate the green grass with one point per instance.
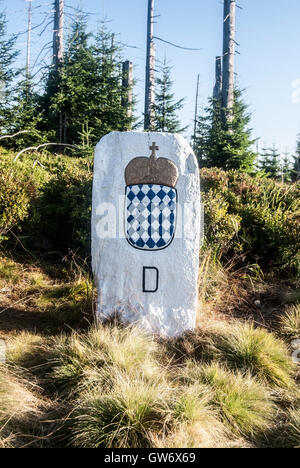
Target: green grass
{"x": 254, "y": 350}
{"x": 195, "y": 423}
{"x": 116, "y": 389}
{"x": 67, "y": 303}
{"x": 23, "y": 350}
{"x": 290, "y": 323}
{"x": 243, "y": 403}
{"x": 84, "y": 356}
{"x": 124, "y": 417}
{"x": 286, "y": 434}
{"x": 9, "y": 271}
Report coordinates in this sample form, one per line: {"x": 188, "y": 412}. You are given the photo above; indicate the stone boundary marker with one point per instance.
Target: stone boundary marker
{"x": 146, "y": 226}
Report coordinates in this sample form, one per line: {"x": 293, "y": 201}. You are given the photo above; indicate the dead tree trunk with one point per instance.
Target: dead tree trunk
{"x": 196, "y": 110}
{"x": 58, "y": 35}
{"x": 150, "y": 70}
{"x": 127, "y": 85}
{"x": 218, "y": 83}
{"x": 29, "y": 45}
{"x": 58, "y": 54}
{"x": 228, "y": 59}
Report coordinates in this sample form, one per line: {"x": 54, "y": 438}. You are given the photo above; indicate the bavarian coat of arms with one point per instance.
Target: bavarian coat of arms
{"x": 151, "y": 199}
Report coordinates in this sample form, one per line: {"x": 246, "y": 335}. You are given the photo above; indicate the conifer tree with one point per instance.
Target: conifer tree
{"x": 296, "y": 165}
{"x": 286, "y": 169}
{"x": 166, "y": 108}
{"x": 8, "y": 55}
{"x": 225, "y": 145}
{"x": 270, "y": 162}
{"x": 28, "y": 116}
{"x": 110, "y": 113}
{"x": 86, "y": 92}
{"x": 69, "y": 90}
{"x": 201, "y": 138}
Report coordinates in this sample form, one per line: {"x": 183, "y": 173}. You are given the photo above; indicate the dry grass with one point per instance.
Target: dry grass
{"x": 47, "y": 299}
{"x": 123, "y": 417}
{"x": 21, "y": 408}
{"x": 225, "y": 290}
{"x": 195, "y": 423}
{"x": 291, "y": 429}
{"x": 22, "y": 349}
{"x": 222, "y": 386}
{"x": 240, "y": 346}
{"x": 93, "y": 357}
{"x": 243, "y": 403}
{"x": 254, "y": 350}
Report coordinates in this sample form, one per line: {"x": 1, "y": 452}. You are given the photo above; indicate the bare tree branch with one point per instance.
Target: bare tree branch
{"x": 2, "y": 137}
{"x": 36, "y": 148}
{"x": 174, "y": 45}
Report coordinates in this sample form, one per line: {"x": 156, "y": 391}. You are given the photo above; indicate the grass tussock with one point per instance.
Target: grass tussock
{"x": 242, "y": 402}
{"x": 23, "y": 349}
{"x": 21, "y": 407}
{"x": 290, "y": 323}
{"x": 124, "y": 417}
{"x": 91, "y": 357}
{"x": 286, "y": 434}
{"x": 239, "y": 346}
{"x": 124, "y": 397}
{"x": 244, "y": 347}
{"x": 196, "y": 424}
{"x": 291, "y": 429}
{"x": 118, "y": 390}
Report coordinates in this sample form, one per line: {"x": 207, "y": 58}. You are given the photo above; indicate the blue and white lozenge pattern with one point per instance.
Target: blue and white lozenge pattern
{"x": 150, "y": 216}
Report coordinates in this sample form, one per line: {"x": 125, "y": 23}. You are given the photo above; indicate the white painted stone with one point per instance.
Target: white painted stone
{"x": 118, "y": 267}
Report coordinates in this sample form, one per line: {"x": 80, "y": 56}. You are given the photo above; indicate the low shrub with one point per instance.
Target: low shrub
{"x": 264, "y": 213}
{"x": 49, "y": 202}
{"x": 221, "y": 227}
{"x": 255, "y": 217}
{"x": 62, "y": 213}
{"x": 18, "y": 189}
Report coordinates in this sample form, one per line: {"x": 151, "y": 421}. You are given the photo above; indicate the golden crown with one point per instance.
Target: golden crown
{"x": 153, "y": 170}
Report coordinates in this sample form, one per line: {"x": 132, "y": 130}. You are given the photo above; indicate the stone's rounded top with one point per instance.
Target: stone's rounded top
{"x": 160, "y": 171}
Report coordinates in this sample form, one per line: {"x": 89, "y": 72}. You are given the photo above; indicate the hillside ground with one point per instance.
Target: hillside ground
{"x": 236, "y": 370}
{"x": 69, "y": 382}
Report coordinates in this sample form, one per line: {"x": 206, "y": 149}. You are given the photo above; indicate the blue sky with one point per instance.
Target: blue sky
{"x": 268, "y": 66}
